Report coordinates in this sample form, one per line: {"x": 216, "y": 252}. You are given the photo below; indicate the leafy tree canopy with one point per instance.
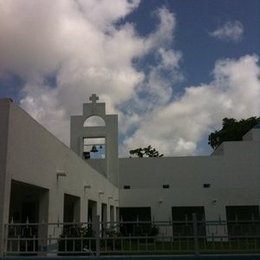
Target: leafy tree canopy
{"x": 145, "y": 152}
{"x": 232, "y": 130}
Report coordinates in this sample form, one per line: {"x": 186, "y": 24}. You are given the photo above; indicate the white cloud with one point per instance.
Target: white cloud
{"x": 178, "y": 127}
{"x": 230, "y": 31}
{"x": 83, "y": 48}
{"x": 106, "y": 12}
{"x": 164, "y": 31}
{"x": 42, "y": 104}
{"x": 67, "y": 50}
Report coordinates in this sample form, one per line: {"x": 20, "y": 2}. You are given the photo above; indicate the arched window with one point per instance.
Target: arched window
{"x": 94, "y": 121}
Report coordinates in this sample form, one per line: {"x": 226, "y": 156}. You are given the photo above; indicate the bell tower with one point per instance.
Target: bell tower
{"x": 94, "y": 137}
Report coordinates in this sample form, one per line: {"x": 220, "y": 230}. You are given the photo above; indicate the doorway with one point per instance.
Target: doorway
{"x": 28, "y": 203}
{"x": 71, "y": 209}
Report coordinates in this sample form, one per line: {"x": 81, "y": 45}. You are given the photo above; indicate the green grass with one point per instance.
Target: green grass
{"x": 143, "y": 246}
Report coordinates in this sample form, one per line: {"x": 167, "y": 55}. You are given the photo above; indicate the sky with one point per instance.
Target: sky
{"x": 171, "y": 70}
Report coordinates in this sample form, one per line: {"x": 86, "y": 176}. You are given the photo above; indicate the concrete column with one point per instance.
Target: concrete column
{"x": 162, "y": 211}
{"x": 4, "y": 211}
{"x": 56, "y": 204}
{"x": 5, "y": 183}
{"x": 84, "y": 208}
{"x": 215, "y": 215}
{"x": 55, "y": 215}
{"x": 99, "y": 208}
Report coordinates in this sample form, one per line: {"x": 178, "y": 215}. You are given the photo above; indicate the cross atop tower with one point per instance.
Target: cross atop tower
{"x": 94, "y": 98}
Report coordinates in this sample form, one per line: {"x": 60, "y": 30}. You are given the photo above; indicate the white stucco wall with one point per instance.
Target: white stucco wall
{"x": 233, "y": 175}
{"x": 35, "y": 156}
{"x": 109, "y": 131}
{"x": 32, "y": 155}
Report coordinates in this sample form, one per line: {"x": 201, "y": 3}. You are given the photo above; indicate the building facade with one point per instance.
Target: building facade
{"x": 42, "y": 180}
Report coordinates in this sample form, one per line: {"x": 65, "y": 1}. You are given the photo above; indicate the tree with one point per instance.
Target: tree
{"x": 232, "y": 130}
{"x": 145, "y": 152}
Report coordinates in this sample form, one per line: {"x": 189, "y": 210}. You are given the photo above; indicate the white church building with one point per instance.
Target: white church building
{"x": 43, "y": 180}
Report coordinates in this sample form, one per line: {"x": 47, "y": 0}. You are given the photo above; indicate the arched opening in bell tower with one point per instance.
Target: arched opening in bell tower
{"x": 94, "y": 121}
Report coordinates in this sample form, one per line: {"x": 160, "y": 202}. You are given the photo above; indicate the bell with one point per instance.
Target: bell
{"x": 94, "y": 149}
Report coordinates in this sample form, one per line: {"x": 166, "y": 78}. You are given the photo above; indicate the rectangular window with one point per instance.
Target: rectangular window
{"x": 166, "y": 186}
{"x": 135, "y": 215}
{"x": 127, "y": 187}
{"x": 241, "y": 221}
{"x": 182, "y": 220}
{"x": 206, "y": 185}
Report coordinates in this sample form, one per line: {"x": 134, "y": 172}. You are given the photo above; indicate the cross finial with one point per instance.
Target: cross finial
{"x": 94, "y": 98}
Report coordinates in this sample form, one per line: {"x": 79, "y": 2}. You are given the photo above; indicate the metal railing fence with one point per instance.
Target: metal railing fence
{"x": 139, "y": 237}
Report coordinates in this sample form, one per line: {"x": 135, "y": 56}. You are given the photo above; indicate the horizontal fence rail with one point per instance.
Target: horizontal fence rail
{"x": 128, "y": 238}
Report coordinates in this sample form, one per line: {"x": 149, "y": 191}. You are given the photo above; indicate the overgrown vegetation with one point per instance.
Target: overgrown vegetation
{"x": 148, "y": 151}
{"x": 232, "y": 130}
